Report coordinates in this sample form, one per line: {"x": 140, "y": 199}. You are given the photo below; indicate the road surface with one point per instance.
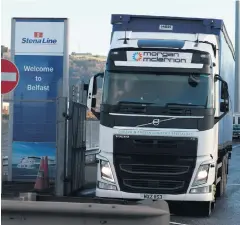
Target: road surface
{"x": 227, "y": 211}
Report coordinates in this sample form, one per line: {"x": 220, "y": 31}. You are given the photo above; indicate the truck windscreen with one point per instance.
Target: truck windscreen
{"x": 158, "y": 89}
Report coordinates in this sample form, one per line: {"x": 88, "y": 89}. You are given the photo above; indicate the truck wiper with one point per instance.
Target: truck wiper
{"x": 206, "y": 104}
{"x": 134, "y": 103}
{"x": 132, "y": 106}
{"x": 182, "y": 104}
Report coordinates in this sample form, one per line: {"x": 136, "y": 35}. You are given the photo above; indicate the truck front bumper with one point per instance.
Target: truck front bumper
{"x": 181, "y": 197}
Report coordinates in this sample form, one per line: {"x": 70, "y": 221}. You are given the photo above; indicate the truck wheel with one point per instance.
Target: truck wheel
{"x": 221, "y": 186}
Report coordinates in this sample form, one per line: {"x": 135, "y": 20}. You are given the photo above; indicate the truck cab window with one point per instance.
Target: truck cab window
{"x": 158, "y": 89}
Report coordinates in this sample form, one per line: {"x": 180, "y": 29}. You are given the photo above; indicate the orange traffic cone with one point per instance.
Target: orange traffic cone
{"x": 46, "y": 174}
{"x": 39, "y": 184}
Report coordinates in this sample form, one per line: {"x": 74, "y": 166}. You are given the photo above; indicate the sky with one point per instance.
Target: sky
{"x": 89, "y": 21}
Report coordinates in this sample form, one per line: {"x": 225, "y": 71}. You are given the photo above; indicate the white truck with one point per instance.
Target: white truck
{"x": 166, "y": 114}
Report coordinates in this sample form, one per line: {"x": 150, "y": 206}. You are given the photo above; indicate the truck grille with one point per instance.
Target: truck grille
{"x": 154, "y": 184}
{"x": 152, "y": 170}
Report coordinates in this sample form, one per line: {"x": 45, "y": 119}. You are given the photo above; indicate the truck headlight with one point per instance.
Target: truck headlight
{"x": 202, "y": 175}
{"x": 106, "y": 171}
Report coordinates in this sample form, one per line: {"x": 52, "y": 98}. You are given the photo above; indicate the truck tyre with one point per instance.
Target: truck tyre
{"x": 221, "y": 186}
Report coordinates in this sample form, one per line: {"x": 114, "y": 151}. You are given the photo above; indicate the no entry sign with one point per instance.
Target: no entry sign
{"x": 9, "y": 76}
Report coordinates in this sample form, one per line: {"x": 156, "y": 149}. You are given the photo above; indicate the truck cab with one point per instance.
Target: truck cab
{"x": 165, "y": 114}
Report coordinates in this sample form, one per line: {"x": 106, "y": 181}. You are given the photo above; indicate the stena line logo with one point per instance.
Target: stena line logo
{"x": 38, "y": 38}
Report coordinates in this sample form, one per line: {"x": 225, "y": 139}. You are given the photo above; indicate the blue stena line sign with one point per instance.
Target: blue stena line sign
{"x": 39, "y": 56}
{"x": 40, "y": 50}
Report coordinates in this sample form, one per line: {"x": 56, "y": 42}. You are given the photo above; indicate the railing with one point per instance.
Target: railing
{"x": 30, "y": 212}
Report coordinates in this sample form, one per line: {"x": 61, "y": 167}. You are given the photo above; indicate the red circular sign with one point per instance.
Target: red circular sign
{"x": 9, "y": 76}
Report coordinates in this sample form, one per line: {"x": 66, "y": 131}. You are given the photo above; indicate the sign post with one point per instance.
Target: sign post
{"x": 9, "y": 76}
{"x": 40, "y": 51}
{"x": 9, "y": 81}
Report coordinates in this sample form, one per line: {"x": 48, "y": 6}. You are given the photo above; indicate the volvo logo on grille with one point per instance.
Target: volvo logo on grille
{"x": 156, "y": 122}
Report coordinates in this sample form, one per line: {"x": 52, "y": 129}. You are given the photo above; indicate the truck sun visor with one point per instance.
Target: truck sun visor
{"x": 160, "y": 43}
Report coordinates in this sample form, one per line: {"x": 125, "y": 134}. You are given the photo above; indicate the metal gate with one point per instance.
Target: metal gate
{"x": 71, "y": 133}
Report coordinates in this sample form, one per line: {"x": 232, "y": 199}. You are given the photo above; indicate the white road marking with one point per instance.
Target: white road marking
{"x": 6, "y": 76}
{"x": 233, "y": 185}
{"x": 178, "y": 223}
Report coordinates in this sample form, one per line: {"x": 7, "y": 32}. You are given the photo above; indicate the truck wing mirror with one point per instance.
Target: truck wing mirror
{"x": 224, "y": 106}
{"x": 224, "y": 90}
{"x": 94, "y": 103}
{"x": 95, "y": 85}
{"x": 224, "y": 87}
{"x": 92, "y": 91}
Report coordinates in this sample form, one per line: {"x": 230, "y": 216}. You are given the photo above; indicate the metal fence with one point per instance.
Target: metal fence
{"x": 92, "y": 139}
{"x": 92, "y": 135}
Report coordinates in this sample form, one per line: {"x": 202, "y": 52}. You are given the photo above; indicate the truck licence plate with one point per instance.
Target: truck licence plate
{"x": 152, "y": 196}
